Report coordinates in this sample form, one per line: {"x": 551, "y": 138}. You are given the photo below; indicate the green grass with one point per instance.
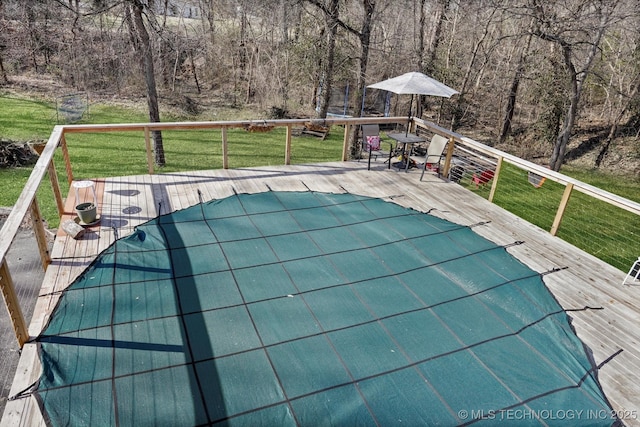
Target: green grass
{"x": 626, "y": 185}
{"x": 95, "y": 155}
{"x": 24, "y": 119}
{"x": 605, "y": 231}
{"x": 123, "y": 153}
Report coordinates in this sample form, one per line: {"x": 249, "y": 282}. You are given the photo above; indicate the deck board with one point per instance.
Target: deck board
{"x": 126, "y": 202}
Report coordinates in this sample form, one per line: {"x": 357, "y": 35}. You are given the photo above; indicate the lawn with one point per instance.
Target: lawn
{"x": 603, "y": 230}
{"x": 606, "y": 232}
{"x": 96, "y": 155}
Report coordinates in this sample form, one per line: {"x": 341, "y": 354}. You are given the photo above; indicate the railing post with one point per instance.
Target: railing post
{"x": 287, "y": 149}
{"x": 447, "y": 160}
{"x": 225, "y": 148}
{"x": 40, "y": 233}
{"x": 494, "y": 184}
{"x": 561, "y": 209}
{"x": 147, "y": 142}
{"x": 55, "y": 186}
{"x": 13, "y": 307}
{"x": 53, "y": 177}
{"x": 67, "y": 160}
{"x": 345, "y": 142}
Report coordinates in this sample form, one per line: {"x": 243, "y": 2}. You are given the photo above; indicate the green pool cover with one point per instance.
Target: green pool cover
{"x": 312, "y": 309}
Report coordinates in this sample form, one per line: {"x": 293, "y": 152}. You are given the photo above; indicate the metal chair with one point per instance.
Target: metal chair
{"x": 633, "y": 272}
{"x": 372, "y": 141}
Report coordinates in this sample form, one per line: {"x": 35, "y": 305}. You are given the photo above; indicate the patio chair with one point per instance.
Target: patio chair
{"x": 372, "y": 142}
{"x": 435, "y": 152}
{"x": 634, "y": 273}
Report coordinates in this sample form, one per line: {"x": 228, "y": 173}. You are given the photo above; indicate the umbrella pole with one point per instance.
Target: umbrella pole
{"x": 409, "y": 116}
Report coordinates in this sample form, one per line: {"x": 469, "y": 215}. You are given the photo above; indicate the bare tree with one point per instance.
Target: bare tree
{"x": 577, "y": 30}
{"x": 541, "y": 79}
{"x": 505, "y": 127}
{"x": 142, "y": 45}
{"x": 428, "y": 43}
{"x": 627, "y": 100}
{"x": 3, "y": 73}
{"x": 487, "y": 28}
{"x": 331, "y": 11}
{"x": 364, "y": 37}
{"x": 3, "y": 45}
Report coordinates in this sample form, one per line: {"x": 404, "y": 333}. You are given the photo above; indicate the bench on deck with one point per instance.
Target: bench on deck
{"x": 312, "y": 129}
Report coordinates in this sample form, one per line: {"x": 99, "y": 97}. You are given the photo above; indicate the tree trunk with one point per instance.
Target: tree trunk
{"x": 243, "y": 40}
{"x": 505, "y": 129}
{"x": 329, "y": 61}
{"x": 249, "y": 74}
{"x": 577, "y": 78}
{"x": 146, "y": 57}
{"x": 430, "y": 48}
{"x": 208, "y": 11}
{"x": 616, "y": 123}
{"x": 420, "y": 54}
{"x": 193, "y": 71}
{"x": 284, "y": 6}
{"x": 421, "y": 30}
{"x": 560, "y": 147}
{"x": 577, "y": 83}
{"x": 365, "y": 41}
{"x": 3, "y": 74}
{"x": 457, "y": 116}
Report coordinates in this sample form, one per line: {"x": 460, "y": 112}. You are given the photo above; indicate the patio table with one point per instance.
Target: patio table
{"x": 406, "y": 139}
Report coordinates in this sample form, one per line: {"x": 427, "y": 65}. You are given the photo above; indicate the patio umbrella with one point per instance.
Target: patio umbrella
{"x": 414, "y": 83}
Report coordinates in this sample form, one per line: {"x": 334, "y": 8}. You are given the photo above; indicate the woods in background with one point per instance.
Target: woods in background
{"x": 527, "y": 70}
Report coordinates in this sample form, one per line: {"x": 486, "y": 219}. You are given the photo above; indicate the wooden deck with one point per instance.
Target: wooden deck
{"x": 583, "y": 280}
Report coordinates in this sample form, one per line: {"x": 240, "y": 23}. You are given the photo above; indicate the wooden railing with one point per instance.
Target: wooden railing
{"x": 27, "y": 204}
{"x": 147, "y": 128}
{"x": 500, "y": 157}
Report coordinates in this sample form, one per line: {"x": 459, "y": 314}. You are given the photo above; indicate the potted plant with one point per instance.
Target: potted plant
{"x": 87, "y": 212}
